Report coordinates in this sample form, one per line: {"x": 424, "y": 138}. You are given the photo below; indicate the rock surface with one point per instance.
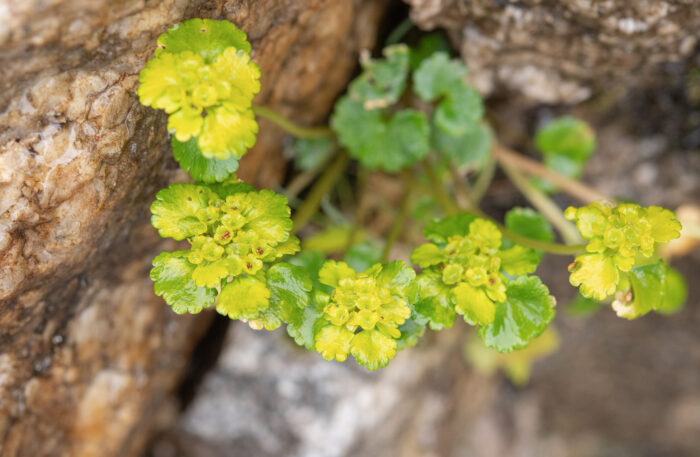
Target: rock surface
{"x": 563, "y": 51}
{"x": 89, "y": 357}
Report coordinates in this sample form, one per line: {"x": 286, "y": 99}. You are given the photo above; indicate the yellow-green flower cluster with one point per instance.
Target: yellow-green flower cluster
{"x": 474, "y": 264}
{"x": 474, "y": 260}
{"x": 229, "y": 235}
{"x": 619, "y": 237}
{"x": 207, "y": 93}
{"x": 363, "y": 312}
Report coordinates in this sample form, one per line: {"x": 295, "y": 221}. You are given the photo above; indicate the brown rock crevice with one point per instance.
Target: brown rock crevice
{"x": 89, "y": 356}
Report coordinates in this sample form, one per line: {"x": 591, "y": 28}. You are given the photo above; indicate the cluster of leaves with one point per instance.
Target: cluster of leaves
{"x": 566, "y": 144}
{"x": 400, "y": 107}
{"x": 622, "y": 241}
{"x": 233, "y": 233}
{"x": 379, "y": 122}
{"x": 467, "y": 270}
{"x": 202, "y": 76}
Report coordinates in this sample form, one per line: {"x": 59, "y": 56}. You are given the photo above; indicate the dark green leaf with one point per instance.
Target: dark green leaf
{"x": 529, "y": 223}
{"x": 382, "y": 80}
{"x": 437, "y": 76}
{"x": 472, "y": 148}
{"x": 411, "y": 331}
{"x": 566, "y": 144}
{"x": 389, "y": 144}
{"x": 289, "y": 286}
{"x": 362, "y": 256}
{"x": 524, "y": 315}
{"x": 566, "y": 136}
{"x": 460, "y": 111}
{"x": 199, "y": 167}
{"x": 433, "y": 306}
{"x": 312, "y": 153}
{"x": 429, "y": 45}
{"x": 311, "y": 261}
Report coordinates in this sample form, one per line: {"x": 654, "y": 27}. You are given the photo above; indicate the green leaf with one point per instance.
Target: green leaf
{"x": 459, "y": 112}
{"x": 473, "y": 303}
{"x": 289, "y": 286}
{"x": 428, "y": 254}
{"x": 429, "y": 45}
{"x": 411, "y": 331}
{"x": 395, "y": 274}
{"x": 524, "y": 315}
{"x": 566, "y": 144}
{"x": 373, "y": 349}
{"x": 302, "y": 324}
{"x": 566, "y": 136}
{"x": 243, "y": 298}
{"x": 434, "y": 306}
{"x": 469, "y": 149}
{"x": 651, "y": 290}
{"x": 528, "y": 223}
{"x": 519, "y": 260}
{"x": 312, "y": 153}
{"x": 172, "y": 274}
{"x": 676, "y": 293}
{"x": 199, "y": 167}
{"x": 205, "y": 37}
{"x": 582, "y": 306}
{"x": 361, "y": 256}
{"x": 438, "y": 75}
{"x": 440, "y": 230}
{"x": 380, "y": 141}
{"x": 311, "y": 261}
{"x": 174, "y": 213}
{"x": 382, "y": 80}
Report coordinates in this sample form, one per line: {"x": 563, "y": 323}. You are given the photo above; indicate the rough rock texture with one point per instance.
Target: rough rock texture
{"x": 556, "y": 51}
{"x": 88, "y": 355}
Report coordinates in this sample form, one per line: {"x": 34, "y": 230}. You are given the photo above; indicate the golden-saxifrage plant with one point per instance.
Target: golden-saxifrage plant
{"x": 410, "y": 112}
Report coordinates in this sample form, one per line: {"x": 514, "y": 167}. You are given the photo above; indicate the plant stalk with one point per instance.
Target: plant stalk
{"x": 572, "y": 187}
{"x": 320, "y": 188}
{"x": 543, "y": 204}
{"x": 400, "y": 221}
{"x": 290, "y": 127}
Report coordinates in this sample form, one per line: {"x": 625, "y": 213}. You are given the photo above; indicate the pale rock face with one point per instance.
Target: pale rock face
{"x": 89, "y": 356}
{"x": 563, "y": 51}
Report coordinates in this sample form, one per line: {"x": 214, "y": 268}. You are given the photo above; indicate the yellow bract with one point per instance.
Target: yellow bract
{"x": 211, "y": 102}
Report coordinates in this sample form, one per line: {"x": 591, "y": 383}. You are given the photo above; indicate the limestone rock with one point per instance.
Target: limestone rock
{"x": 88, "y": 355}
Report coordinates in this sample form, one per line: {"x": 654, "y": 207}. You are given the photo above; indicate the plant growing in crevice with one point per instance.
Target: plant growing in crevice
{"x": 411, "y": 113}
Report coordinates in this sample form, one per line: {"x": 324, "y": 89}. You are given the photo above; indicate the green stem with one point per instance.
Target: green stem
{"x": 290, "y": 127}
{"x": 400, "y": 221}
{"x": 450, "y": 208}
{"x": 544, "y": 204}
{"x": 438, "y": 190}
{"x": 484, "y": 180}
{"x": 320, "y": 188}
{"x": 552, "y": 248}
{"x": 399, "y": 32}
